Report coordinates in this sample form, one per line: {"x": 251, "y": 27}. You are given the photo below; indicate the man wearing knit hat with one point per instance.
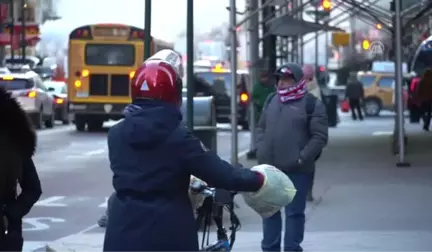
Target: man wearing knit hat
{"x": 291, "y": 133}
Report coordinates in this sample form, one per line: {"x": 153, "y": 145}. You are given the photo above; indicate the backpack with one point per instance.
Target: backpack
{"x": 310, "y": 108}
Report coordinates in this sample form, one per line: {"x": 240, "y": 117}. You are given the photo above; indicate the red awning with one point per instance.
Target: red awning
{"x": 5, "y": 39}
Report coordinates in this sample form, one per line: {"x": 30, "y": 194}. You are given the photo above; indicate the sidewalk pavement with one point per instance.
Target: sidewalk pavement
{"x": 363, "y": 201}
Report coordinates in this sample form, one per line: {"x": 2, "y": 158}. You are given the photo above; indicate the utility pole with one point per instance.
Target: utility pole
{"x": 189, "y": 64}
{"x": 147, "y": 29}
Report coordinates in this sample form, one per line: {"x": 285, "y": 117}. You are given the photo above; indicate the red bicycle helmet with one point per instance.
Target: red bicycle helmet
{"x": 159, "y": 78}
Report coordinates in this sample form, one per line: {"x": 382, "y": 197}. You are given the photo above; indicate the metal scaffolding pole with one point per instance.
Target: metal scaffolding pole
{"x": 234, "y": 130}
{"x": 399, "y": 79}
{"x": 253, "y": 68}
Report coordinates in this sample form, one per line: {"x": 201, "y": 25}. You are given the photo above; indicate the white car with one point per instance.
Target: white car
{"x": 33, "y": 96}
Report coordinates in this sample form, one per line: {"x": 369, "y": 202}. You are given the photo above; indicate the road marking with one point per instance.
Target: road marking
{"x": 94, "y": 152}
{"x": 40, "y": 223}
{"x": 49, "y": 202}
{"x": 382, "y": 133}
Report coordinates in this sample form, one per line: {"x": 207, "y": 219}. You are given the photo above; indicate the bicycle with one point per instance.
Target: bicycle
{"x": 215, "y": 201}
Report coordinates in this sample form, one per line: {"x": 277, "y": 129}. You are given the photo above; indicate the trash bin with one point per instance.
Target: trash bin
{"x": 331, "y": 104}
{"x": 205, "y": 127}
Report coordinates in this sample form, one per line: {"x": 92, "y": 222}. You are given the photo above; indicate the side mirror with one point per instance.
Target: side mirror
{"x": 51, "y": 89}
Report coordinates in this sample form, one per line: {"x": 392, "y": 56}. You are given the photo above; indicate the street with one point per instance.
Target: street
{"x": 76, "y": 181}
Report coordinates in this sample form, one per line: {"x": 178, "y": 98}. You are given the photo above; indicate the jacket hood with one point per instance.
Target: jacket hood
{"x": 148, "y": 123}
{"x": 16, "y": 124}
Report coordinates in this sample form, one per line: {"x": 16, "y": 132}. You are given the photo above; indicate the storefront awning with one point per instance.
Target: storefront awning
{"x": 289, "y": 26}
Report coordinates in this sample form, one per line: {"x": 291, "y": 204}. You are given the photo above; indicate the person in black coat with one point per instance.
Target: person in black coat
{"x": 354, "y": 92}
{"x": 17, "y": 146}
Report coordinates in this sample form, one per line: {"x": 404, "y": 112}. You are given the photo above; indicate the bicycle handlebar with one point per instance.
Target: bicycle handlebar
{"x": 202, "y": 188}
{"x": 199, "y": 187}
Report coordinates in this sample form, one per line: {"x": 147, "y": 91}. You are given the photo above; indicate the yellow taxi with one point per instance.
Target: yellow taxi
{"x": 379, "y": 91}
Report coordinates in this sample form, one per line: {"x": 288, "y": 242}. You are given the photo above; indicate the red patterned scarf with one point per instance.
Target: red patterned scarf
{"x": 292, "y": 93}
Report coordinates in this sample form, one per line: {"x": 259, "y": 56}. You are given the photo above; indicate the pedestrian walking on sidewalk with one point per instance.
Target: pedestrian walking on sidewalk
{"x": 291, "y": 133}
{"x": 423, "y": 94}
{"x": 17, "y": 146}
{"x": 354, "y": 92}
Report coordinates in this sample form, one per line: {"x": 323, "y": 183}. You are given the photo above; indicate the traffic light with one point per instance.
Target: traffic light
{"x": 379, "y": 26}
{"x": 365, "y": 44}
{"x": 326, "y": 5}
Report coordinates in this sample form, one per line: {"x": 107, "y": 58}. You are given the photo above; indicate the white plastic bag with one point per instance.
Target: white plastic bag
{"x": 277, "y": 191}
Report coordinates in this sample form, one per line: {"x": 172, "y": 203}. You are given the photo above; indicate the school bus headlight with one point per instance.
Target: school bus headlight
{"x": 131, "y": 74}
{"x": 78, "y": 83}
{"x": 85, "y": 73}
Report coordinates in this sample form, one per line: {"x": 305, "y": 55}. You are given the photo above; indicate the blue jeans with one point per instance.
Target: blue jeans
{"x": 294, "y": 219}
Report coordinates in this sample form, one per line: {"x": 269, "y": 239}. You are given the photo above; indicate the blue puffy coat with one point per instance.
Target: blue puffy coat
{"x": 152, "y": 156}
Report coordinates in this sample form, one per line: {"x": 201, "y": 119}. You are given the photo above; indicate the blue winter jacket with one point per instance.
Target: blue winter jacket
{"x": 152, "y": 156}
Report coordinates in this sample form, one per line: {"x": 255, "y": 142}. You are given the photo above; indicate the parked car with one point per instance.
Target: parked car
{"x": 217, "y": 82}
{"x": 58, "y": 90}
{"x": 32, "y": 94}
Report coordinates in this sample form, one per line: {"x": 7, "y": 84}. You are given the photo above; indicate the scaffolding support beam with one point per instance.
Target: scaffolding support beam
{"x": 400, "y": 129}
{"x": 253, "y": 69}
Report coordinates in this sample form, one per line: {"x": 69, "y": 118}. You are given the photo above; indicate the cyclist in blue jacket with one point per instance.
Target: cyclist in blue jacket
{"x": 153, "y": 156}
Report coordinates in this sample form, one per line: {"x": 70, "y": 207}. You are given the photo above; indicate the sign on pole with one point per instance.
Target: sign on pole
{"x": 340, "y": 39}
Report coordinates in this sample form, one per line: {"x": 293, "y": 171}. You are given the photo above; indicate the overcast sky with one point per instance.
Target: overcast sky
{"x": 168, "y": 16}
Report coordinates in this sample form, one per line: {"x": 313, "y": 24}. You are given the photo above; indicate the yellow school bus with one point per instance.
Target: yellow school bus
{"x": 101, "y": 61}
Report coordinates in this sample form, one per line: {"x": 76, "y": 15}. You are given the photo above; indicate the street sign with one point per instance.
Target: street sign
{"x": 340, "y": 39}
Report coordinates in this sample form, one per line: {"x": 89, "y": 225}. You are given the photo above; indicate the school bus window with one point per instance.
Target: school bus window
{"x": 109, "y": 55}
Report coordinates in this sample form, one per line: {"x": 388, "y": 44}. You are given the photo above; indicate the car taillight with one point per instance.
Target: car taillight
{"x": 244, "y": 97}
{"x": 59, "y": 101}
{"x": 31, "y": 94}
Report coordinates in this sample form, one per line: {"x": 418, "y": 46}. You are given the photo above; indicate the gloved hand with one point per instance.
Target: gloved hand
{"x": 276, "y": 192}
